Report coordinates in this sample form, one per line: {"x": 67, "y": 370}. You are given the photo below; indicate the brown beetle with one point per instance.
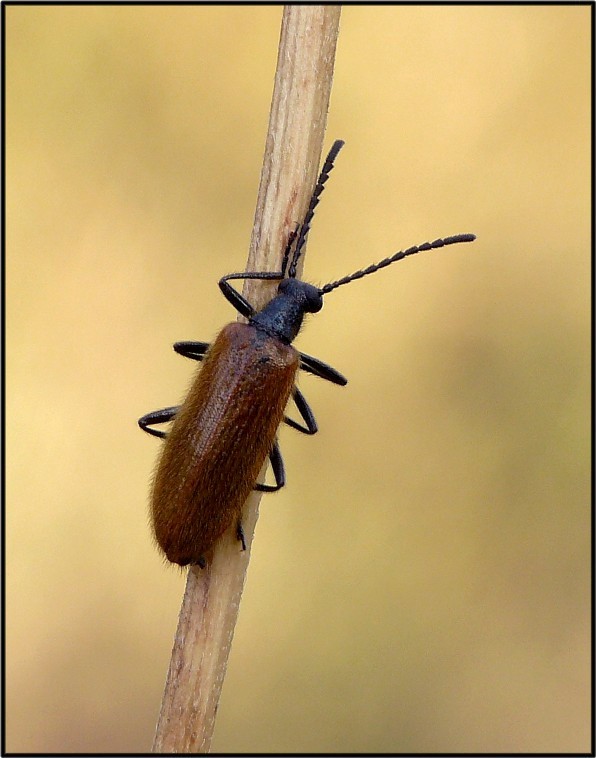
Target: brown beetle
{"x": 226, "y": 427}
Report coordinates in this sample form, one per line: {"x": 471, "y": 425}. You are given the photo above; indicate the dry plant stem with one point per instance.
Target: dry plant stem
{"x": 292, "y": 155}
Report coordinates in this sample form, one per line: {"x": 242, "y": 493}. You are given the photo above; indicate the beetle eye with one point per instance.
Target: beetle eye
{"x": 315, "y": 303}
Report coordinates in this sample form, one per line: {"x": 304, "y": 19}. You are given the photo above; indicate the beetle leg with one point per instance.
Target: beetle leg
{"x": 279, "y": 473}
{"x": 193, "y": 350}
{"x": 239, "y": 301}
{"x": 323, "y": 370}
{"x": 235, "y": 298}
{"x": 157, "y": 417}
{"x": 240, "y": 534}
{"x": 306, "y": 413}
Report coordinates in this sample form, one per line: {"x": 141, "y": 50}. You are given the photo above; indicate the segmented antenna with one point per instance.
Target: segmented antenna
{"x": 314, "y": 201}
{"x": 397, "y": 257}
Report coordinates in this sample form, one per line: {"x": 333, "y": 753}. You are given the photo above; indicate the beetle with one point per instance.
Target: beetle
{"x": 226, "y": 428}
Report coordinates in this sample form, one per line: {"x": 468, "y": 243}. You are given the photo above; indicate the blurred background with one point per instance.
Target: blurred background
{"x": 422, "y": 583}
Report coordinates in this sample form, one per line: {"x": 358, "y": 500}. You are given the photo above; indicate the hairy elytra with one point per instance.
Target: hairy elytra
{"x": 226, "y": 428}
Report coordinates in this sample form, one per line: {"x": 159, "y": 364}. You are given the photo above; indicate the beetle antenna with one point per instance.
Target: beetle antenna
{"x": 314, "y": 201}
{"x": 397, "y": 257}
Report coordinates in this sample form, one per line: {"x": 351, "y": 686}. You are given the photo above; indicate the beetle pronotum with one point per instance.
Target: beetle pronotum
{"x": 226, "y": 428}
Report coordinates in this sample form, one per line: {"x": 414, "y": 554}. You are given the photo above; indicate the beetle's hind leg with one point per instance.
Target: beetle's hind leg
{"x": 240, "y": 534}
{"x": 157, "y": 417}
{"x": 277, "y": 464}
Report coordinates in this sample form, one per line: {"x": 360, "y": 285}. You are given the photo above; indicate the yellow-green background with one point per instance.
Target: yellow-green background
{"x": 422, "y": 583}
